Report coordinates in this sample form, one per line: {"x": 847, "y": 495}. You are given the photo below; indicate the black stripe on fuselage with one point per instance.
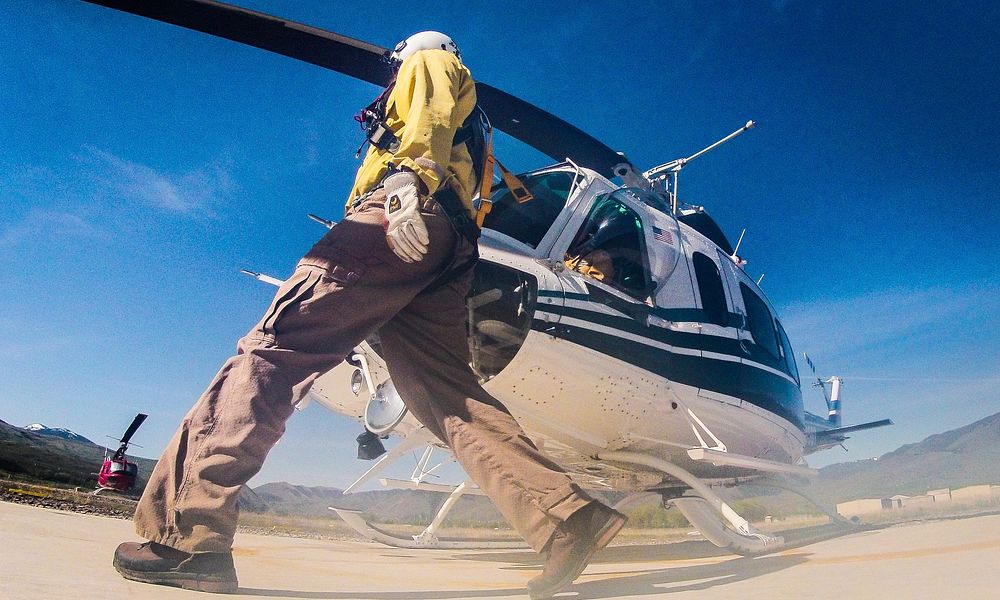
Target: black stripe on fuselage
{"x": 694, "y": 341}
{"x": 762, "y": 388}
{"x": 692, "y": 315}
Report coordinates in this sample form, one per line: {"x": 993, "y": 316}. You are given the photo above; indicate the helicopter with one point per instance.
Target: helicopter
{"x": 614, "y": 320}
{"x": 117, "y": 472}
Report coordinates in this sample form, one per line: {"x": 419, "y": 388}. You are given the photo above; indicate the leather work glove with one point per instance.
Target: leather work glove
{"x": 405, "y": 230}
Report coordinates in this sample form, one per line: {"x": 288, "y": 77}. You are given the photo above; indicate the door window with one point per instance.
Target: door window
{"x": 759, "y": 321}
{"x": 610, "y": 248}
{"x": 786, "y": 349}
{"x": 713, "y": 295}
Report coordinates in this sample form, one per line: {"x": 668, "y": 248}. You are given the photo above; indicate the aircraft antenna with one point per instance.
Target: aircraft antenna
{"x": 748, "y": 125}
{"x": 740, "y": 241}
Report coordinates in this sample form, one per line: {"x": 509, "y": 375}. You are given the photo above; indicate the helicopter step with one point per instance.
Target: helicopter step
{"x": 718, "y": 458}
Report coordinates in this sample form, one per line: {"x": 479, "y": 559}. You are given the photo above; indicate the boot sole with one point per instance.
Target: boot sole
{"x": 188, "y": 581}
{"x": 603, "y": 538}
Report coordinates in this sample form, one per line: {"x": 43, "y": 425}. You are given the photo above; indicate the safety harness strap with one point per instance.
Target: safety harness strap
{"x": 456, "y": 213}
{"x": 466, "y": 228}
{"x": 486, "y": 180}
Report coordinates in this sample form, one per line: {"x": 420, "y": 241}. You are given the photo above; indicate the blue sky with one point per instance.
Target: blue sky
{"x": 143, "y": 165}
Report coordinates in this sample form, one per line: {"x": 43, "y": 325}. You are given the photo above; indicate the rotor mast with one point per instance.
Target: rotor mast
{"x": 127, "y": 437}
{"x": 673, "y": 168}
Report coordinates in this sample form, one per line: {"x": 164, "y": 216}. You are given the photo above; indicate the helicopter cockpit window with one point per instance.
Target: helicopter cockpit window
{"x": 759, "y": 321}
{"x": 529, "y": 222}
{"x": 609, "y": 248}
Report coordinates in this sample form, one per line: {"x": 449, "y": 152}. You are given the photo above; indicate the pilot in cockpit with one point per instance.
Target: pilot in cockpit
{"x": 607, "y": 248}
{"x": 596, "y": 264}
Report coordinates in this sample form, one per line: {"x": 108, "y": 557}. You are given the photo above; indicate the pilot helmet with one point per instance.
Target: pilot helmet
{"x": 610, "y": 220}
{"x": 424, "y": 40}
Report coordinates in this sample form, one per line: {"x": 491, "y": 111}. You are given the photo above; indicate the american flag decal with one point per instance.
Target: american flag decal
{"x": 662, "y": 235}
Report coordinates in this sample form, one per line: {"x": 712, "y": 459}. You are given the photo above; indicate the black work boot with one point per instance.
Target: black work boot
{"x": 573, "y": 545}
{"x": 150, "y": 562}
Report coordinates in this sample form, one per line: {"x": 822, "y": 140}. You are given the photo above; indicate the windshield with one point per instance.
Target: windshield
{"x": 528, "y": 222}
{"x": 650, "y": 199}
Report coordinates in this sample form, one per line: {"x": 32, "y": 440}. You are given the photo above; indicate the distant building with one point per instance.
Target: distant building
{"x": 941, "y": 495}
{"x": 898, "y": 501}
{"x": 917, "y": 502}
{"x": 968, "y": 495}
{"x": 864, "y": 506}
{"x": 974, "y": 493}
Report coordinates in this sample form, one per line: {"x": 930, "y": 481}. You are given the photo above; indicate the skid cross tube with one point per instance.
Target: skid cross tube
{"x": 410, "y": 442}
{"x": 429, "y": 534}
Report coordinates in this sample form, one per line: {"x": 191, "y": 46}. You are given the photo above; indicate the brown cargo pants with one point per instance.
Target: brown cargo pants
{"x": 347, "y": 286}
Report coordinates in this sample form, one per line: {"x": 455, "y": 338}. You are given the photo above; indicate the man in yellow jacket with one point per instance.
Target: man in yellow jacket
{"x": 397, "y": 264}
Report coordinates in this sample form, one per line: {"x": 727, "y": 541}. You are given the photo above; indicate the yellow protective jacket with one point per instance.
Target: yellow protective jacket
{"x": 433, "y": 95}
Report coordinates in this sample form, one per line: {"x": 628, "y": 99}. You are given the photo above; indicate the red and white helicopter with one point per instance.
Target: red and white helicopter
{"x": 117, "y": 472}
{"x": 668, "y": 374}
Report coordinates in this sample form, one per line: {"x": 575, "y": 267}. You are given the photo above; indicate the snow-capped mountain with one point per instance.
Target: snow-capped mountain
{"x": 59, "y": 432}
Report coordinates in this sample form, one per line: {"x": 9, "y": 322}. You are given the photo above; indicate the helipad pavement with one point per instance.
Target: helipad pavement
{"x": 50, "y": 554}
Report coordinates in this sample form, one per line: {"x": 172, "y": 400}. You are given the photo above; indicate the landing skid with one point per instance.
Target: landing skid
{"x": 123, "y": 493}
{"x": 357, "y": 522}
{"x": 715, "y": 519}
{"x": 703, "y": 508}
{"x": 429, "y": 537}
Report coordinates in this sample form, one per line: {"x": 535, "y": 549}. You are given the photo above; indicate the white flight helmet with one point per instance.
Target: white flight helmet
{"x": 425, "y": 40}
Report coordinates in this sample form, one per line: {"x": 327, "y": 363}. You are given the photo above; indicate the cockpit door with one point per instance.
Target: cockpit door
{"x": 605, "y": 257}
{"x": 738, "y": 318}
{"x": 520, "y": 230}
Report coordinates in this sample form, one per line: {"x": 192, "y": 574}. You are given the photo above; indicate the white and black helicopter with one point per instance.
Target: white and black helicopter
{"x": 614, "y": 321}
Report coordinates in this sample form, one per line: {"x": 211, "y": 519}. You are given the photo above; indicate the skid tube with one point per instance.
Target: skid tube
{"x": 428, "y": 538}
{"x": 704, "y": 509}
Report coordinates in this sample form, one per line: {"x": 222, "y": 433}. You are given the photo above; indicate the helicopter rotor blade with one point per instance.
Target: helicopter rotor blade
{"x": 136, "y": 422}
{"x": 326, "y": 49}
{"x": 520, "y": 119}
{"x": 546, "y": 132}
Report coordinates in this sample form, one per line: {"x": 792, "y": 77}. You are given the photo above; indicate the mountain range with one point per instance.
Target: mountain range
{"x": 965, "y": 456}
{"x": 56, "y": 455}
{"x": 59, "y": 432}
{"x": 396, "y": 506}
